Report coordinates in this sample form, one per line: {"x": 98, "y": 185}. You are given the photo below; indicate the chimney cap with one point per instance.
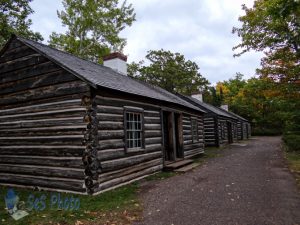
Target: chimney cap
{"x": 115, "y": 55}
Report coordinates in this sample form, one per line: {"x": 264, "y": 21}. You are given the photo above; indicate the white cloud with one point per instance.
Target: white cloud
{"x": 201, "y": 30}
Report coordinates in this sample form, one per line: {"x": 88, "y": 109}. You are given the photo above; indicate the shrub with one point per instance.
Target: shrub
{"x": 292, "y": 142}
{"x": 260, "y": 131}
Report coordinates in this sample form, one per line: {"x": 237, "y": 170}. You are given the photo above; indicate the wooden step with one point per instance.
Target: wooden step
{"x": 186, "y": 168}
{"x": 178, "y": 164}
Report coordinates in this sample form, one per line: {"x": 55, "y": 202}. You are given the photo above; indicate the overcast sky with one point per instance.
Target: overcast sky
{"x": 198, "y": 29}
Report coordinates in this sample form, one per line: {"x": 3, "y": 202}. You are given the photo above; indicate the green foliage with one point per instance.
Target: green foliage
{"x": 270, "y": 24}
{"x": 292, "y": 142}
{"x": 271, "y": 107}
{"x": 210, "y": 96}
{"x": 273, "y": 26}
{"x": 170, "y": 71}
{"x": 14, "y": 20}
{"x": 93, "y": 27}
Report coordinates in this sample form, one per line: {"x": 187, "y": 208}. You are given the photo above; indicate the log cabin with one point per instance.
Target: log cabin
{"x": 220, "y": 127}
{"x": 71, "y": 125}
{"x": 243, "y": 125}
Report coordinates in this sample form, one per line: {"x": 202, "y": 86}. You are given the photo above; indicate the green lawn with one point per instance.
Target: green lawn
{"x": 119, "y": 206}
{"x": 293, "y": 159}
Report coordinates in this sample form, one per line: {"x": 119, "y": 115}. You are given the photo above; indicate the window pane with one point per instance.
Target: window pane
{"x": 134, "y": 130}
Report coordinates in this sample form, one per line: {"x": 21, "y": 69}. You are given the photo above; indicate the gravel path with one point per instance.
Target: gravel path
{"x": 248, "y": 185}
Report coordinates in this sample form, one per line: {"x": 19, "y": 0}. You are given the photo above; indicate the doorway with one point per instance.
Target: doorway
{"x": 229, "y": 132}
{"x": 172, "y": 136}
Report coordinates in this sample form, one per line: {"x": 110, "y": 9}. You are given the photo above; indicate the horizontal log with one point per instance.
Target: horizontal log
{"x": 110, "y": 154}
{"x": 152, "y": 133}
{"x": 73, "y": 103}
{"x": 110, "y": 117}
{"x": 44, "y": 131}
{"x": 110, "y": 109}
{"x": 41, "y": 68}
{"x": 187, "y": 142}
{"x": 103, "y": 177}
{"x": 186, "y": 127}
{"x": 187, "y": 137}
{"x": 186, "y": 124}
{"x": 130, "y": 177}
{"x": 52, "y": 78}
{"x": 16, "y": 53}
{"x": 152, "y": 126}
{"x": 72, "y": 162}
{"x": 37, "y": 140}
{"x": 45, "y": 92}
{"x": 129, "y": 161}
{"x": 20, "y": 63}
{"x": 110, "y": 125}
{"x": 155, "y": 140}
{"x": 154, "y": 147}
{"x": 43, "y": 182}
{"x": 192, "y": 146}
{"x": 111, "y": 144}
{"x": 193, "y": 153}
{"x": 152, "y": 120}
{"x": 110, "y": 134}
{"x": 43, "y": 171}
{"x": 63, "y": 113}
{"x": 151, "y": 113}
{"x": 123, "y": 102}
{"x": 187, "y": 132}
{"x": 42, "y": 123}
{"x": 42, "y": 150}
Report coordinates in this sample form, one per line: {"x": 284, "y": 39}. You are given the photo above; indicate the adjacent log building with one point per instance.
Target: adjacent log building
{"x": 67, "y": 124}
{"x": 220, "y": 127}
{"x": 243, "y": 126}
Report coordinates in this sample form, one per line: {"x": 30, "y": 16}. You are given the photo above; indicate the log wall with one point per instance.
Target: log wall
{"x": 119, "y": 166}
{"x": 223, "y": 131}
{"x": 210, "y": 135}
{"x": 192, "y": 148}
{"x": 41, "y": 122}
{"x": 240, "y": 130}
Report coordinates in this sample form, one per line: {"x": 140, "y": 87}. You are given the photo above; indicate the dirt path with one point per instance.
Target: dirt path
{"x": 249, "y": 185}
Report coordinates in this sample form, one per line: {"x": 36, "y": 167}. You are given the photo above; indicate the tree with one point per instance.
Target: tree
{"x": 170, "y": 71}
{"x": 273, "y": 26}
{"x": 270, "y": 24}
{"x": 93, "y": 27}
{"x": 14, "y": 20}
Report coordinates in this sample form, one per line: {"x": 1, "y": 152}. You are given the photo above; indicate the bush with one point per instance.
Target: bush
{"x": 259, "y": 131}
{"x": 292, "y": 142}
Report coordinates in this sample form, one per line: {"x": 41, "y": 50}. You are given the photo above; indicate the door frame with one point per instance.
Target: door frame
{"x": 176, "y": 146}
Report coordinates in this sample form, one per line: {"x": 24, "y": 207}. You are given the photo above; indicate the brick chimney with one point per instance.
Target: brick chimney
{"x": 116, "y": 61}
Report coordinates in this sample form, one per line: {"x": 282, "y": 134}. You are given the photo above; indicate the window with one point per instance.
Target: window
{"x": 134, "y": 130}
{"x": 194, "y": 130}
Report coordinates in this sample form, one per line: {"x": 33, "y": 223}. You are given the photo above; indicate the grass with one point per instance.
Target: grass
{"x": 119, "y": 206}
{"x": 293, "y": 159}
